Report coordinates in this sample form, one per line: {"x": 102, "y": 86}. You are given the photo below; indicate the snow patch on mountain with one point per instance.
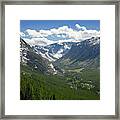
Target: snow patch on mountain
{"x": 52, "y": 67}
{"x": 45, "y": 55}
{"x": 57, "y": 49}
{"x": 23, "y": 54}
{"x": 58, "y": 54}
{"x": 94, "y": 41}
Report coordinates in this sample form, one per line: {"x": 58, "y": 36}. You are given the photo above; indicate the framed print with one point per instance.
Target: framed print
{"x": 60, "y": 60}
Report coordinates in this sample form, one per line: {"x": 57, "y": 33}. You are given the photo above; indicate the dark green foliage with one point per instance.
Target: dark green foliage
{"x": 38, "y": 86}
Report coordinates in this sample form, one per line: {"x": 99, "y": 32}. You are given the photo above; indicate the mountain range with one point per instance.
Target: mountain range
{"x": 64, "y": 54}
{"x": 60, "y": 70}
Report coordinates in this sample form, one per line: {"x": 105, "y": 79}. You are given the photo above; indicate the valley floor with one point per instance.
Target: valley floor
{"x": 73, "y": 85}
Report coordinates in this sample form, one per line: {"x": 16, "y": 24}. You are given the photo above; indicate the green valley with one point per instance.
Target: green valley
{"x": 71, "y": 86}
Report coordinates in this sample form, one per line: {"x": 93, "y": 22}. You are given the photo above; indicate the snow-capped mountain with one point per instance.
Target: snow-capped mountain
{"x": 82, "y": 54}
{"x": 52, "y": 44}
{"x": 84, "y": 50}
{"x": 57, "y": 49}
{"x": 54, "y": 51}
{"x": 50, "y": 58}
{"x": 34, "y": 61}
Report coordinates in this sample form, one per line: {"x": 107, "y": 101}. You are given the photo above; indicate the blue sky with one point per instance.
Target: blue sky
{"x": 49, "y": 24}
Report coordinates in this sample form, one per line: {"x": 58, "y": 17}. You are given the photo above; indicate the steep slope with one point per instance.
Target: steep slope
{"x": 82, "y": 54}
{"x": 54, "y": 51}
{"x": 34, "y": 61}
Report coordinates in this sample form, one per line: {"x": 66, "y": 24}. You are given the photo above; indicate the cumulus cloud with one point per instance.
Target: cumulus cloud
{"x": 38, "y": 41}
{"x": 80, "y": 27}
{"x": 62, "y": 32}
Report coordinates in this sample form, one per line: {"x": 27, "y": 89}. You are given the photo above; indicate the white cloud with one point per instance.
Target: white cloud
{"x": 38, "y": 41}
{"x": 58, "y": 35}
{"x": 41, "y": 36}
{"x": 77, "y": 26}
{"x": 80, "y": 27}
{"x": 44, "y": 33}
{"x": 32, "y": 32}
